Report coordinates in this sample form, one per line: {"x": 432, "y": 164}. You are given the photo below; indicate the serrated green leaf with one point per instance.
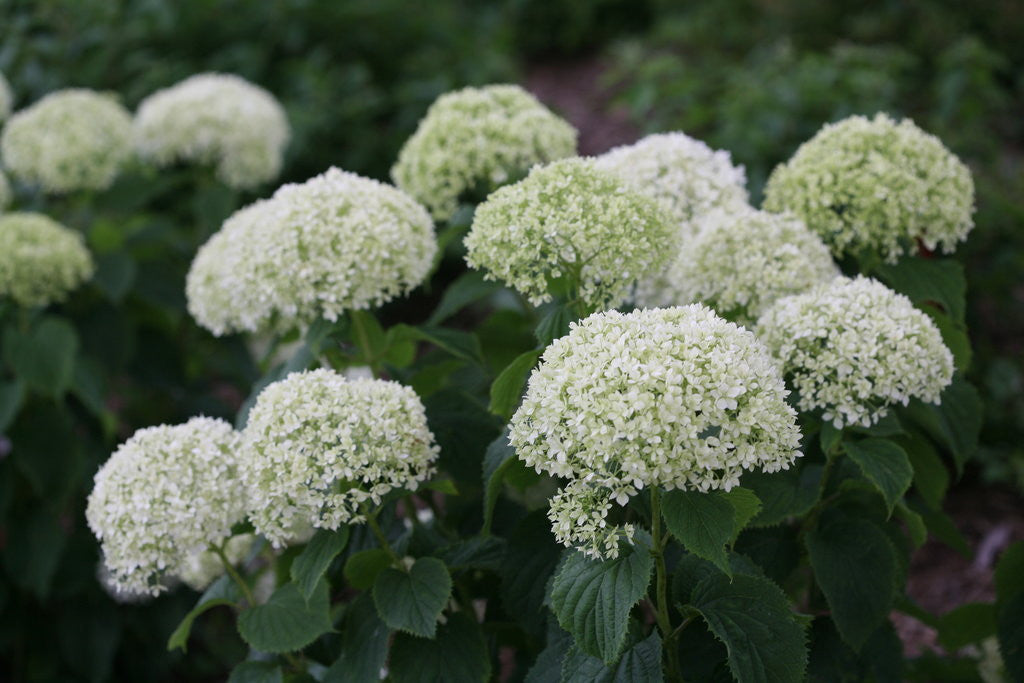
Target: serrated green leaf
{"x": 223, "y": 591}
{"x": 702, "y": 522}
{"x": 508, "y": 387}
{"x": 638, "y": 664}
{"x": 256, "y": 672}
{"x": 855, "y": 566}
{"x": 287, "y": 621}
{"x": 466, "y": 289}
{"x": 745, "y": 504}
{"x": 412, "y": 601}
{"x": 44, "y": 357}
{"x": 499, "y": 456}
{"x": 931, "y": 478}
{"x": 477, "y": 552}
{"x": 916, "y": 527}
{"x": 928, "y": 281}
{"x": 115, "y": 274}
{"x": 530, "y": 560}
{"x": 592, "y": 599}
{"x": 784, "y": 494}
{"x": 460, "y": 344}
{"x": 362, "y": 568}
{"x": 954, "y": 336}
{"x": 548, "y": 666}
{"x": 884, "y": 464}
{"x": 829, "y": 437}
{"x": 752, "y": 617}
{"x": 967, "y": 624}
{"x": 942, "y": 527}
{"x": 316, "y": 557}
{"x": 553, "y": 325}
{"x": 955, "y": 422}
{"x": 364, "y": 644}
{"x": 458, "y": 653}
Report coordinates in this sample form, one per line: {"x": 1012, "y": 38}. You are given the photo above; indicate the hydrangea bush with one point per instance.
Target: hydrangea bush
{"x": 525, "y": 416}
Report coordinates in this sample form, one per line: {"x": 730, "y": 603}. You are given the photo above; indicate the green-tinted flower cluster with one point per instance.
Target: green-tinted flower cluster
{"x": 855, "y": 347}
{"x": 876, "y": 185}
{"x": 675, "y": 397}
{"x": 741, "y": 261}
{"x": 477, "y": 139}
{"x": 337, "y": 242}
{"x": 568, "y": 220}
{"x": 215, "y": 119}
{"x": 41, "y": 261}
{"x": 317, "y": 447}
{"x": 69, "y": 140}
{"x": 166, "y": 494}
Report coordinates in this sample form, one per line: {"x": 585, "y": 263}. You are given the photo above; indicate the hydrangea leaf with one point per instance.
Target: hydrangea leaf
{"x": 752, "y": 617}
{"x": 638, "y": 664}
{"x": 457, "y": 653}
{"x": 316, "y": 557}
{"x": 465, "y": 290}
{"x": 702, "y": 522}
{"x": 44, "y": 357}
{"x": 855, "y": 565}
{"x": 498, "y": 458}
{"x": 223, "y": 591}
{"x": 507, "y": 388}
{"x": 364, "y": 644}
{"x": 885, "y": 465}
{"x": 361, "y": 568}
{"x": 592, "y": 599}
{"x": 256, "y": 672}
{"x": 287, "y": 621}
{"x": 411, "y": 601}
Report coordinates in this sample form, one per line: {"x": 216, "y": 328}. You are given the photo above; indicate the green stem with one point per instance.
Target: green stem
{"x": 661, "y": 578}
{"x": 371, "y": 521}
{"x": 235, "y": 576}
{"x": 363, "y": 340}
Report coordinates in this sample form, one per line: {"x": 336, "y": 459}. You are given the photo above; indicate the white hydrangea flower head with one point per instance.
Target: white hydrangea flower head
{"x": 335, "y": 243}
{"x": 741, "y": 261}
{"x": 685, "y": 175}
{"x": 201, "y": 568}
{"x": 5, "y": 192}
{"x": 70, "y": 140}
{"x": 853, "y": 347}
{"x": 215, "y": 119}
{"x": 876, "y": 185}
{"x": 6, "y": 98}
{"x": 478, "y": 139}
{"x": 570, "y": 219}
{"x": 318, "y": 447}
{"x": 41, "y": 261}
{"x": 166, "y": 494}
{"x": 673, "y": 397}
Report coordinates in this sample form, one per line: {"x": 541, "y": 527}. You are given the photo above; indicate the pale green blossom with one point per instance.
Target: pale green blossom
{"x": 69, "y": 140}
{"x": 41, "y": 261}
{"x": 475, "y": 140}
{"x": 319, "y": 447}
{"x": 876, "y": 185}
{"x": 855, "y": 347}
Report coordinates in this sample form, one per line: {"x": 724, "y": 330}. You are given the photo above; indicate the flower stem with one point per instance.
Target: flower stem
{"x": 661, "y": 578}
{"x": 363, "y": 341}
{"x": 235, "y": 576}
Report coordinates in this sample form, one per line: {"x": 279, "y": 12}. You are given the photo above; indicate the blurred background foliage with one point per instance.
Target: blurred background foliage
{"x": 756, "y": 77}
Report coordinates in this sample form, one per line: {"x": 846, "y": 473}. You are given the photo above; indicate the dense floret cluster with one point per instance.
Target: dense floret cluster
{"x": 675, "y": 397}
{"x": 317, "y": 447}
{"x": 166, "y": 494}
{"x": 69, "y": 140}
{"x": 41, "y": 261}
{"x": 570, "y": 220}
{"x": 853, "y": 347}
{"x": 337, "y": 242}
{"x": 741, "y": 261}
{"x": 216, "y": 119}
{"x": 478, "y": 139}
{"x": 876, "y": 185}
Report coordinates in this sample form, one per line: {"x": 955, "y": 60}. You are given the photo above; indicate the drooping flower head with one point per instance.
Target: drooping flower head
{"x": 6, "y": 98}
{"x": 686, "y": 176}
{"x": 570, "y": 220}
{"x": 165, "y": 494}
{"x": 215, "y": 119}
{"x": 674, "y": 397}
{"x": 855, "y": 347}
{"x": 41, "y": 261}
{"x": 337, "y": 242}
{"x": 69, "y": 140}
{"x": 876, "y": 185}
{"x": 741, "y": 261}
{"x": 318, "y": 446}
{"x": 478, "y": 139}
